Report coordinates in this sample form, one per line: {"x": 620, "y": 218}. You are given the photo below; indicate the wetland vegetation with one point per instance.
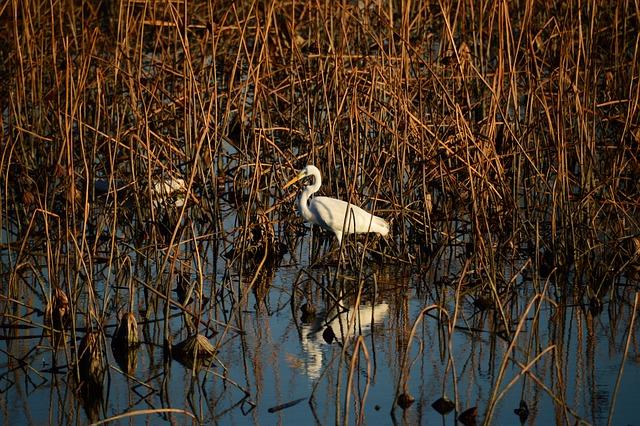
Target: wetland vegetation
{"x": 154, "y": 269}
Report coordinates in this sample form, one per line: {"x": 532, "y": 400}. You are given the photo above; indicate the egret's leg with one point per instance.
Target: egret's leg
{"x": 339, "y": 238}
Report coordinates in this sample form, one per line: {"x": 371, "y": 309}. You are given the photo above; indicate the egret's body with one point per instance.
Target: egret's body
{"x": 329, "y": 213}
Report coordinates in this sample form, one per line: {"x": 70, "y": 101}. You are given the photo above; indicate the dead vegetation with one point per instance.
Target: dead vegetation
{"x": 142, "y": 141}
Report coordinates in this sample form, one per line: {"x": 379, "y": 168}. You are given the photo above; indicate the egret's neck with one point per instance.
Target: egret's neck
{"x": 307, "y": 192}
{"x": 303, "y": 203}
{"x": 317, "y": 181}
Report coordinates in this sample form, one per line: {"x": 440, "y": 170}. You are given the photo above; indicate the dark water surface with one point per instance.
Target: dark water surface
{"x": 281, "y": 357}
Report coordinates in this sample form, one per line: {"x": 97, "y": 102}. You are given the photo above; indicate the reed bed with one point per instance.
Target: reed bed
{"x": 144, "y": 145}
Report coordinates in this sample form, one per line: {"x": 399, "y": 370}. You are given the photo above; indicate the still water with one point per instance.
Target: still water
{"x": 275, "y": 364}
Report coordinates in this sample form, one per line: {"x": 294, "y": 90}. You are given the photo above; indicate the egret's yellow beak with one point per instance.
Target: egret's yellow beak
{"x": 294, "y": 180}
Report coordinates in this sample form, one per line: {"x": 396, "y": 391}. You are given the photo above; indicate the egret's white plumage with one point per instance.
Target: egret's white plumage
{"x": 329, "y": 213}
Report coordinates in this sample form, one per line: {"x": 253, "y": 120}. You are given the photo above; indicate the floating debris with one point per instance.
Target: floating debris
{"x": 194, "y": 348}
{"x": 405, "y": 400}
{"x": 522, "y": 411}
{"x": 443, "y": 405}
{"x": 328, "y": 335}
{"x": 285, "y": 405}
{"x": 469, "y": 417}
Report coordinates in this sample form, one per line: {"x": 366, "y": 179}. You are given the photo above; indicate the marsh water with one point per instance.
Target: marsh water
{"x": 154, "y": 270}
{"x": 275, "y": 363}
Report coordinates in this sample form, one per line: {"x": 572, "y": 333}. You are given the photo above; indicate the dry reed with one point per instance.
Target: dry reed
{"x": 154, "y": 136}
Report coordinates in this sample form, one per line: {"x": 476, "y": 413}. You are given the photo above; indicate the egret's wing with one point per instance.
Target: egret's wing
{"x": 328, "y": 212}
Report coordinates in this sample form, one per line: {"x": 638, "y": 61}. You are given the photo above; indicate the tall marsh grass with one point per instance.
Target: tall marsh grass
{"x": 508, "y": 129}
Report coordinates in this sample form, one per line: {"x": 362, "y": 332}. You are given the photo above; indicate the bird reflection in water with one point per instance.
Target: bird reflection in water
{"x": 344, "y": 325}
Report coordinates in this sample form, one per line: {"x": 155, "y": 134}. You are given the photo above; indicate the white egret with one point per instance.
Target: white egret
{"x": 329, "y": 213}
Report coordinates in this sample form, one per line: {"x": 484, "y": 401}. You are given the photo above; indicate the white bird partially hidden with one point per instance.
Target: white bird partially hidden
{"x": 329, "y": 213}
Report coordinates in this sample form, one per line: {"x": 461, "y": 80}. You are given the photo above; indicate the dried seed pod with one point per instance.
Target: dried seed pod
{"x": 469, "y": 417}
{"x": 443, "y": 405}
{"x": 194, "y": 348}
{"x": 58, "y": 309}
{"x": 405, "y": 400}
{"x": 308, "y": 309}
{"x": 91, "y": 365}
{"x": 126, "y": 333}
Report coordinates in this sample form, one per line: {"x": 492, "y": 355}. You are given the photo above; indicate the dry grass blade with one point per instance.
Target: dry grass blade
{"x": 144, "y": 413}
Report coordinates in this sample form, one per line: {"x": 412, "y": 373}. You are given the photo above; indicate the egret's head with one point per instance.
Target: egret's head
{"x": 307, "y": 171}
